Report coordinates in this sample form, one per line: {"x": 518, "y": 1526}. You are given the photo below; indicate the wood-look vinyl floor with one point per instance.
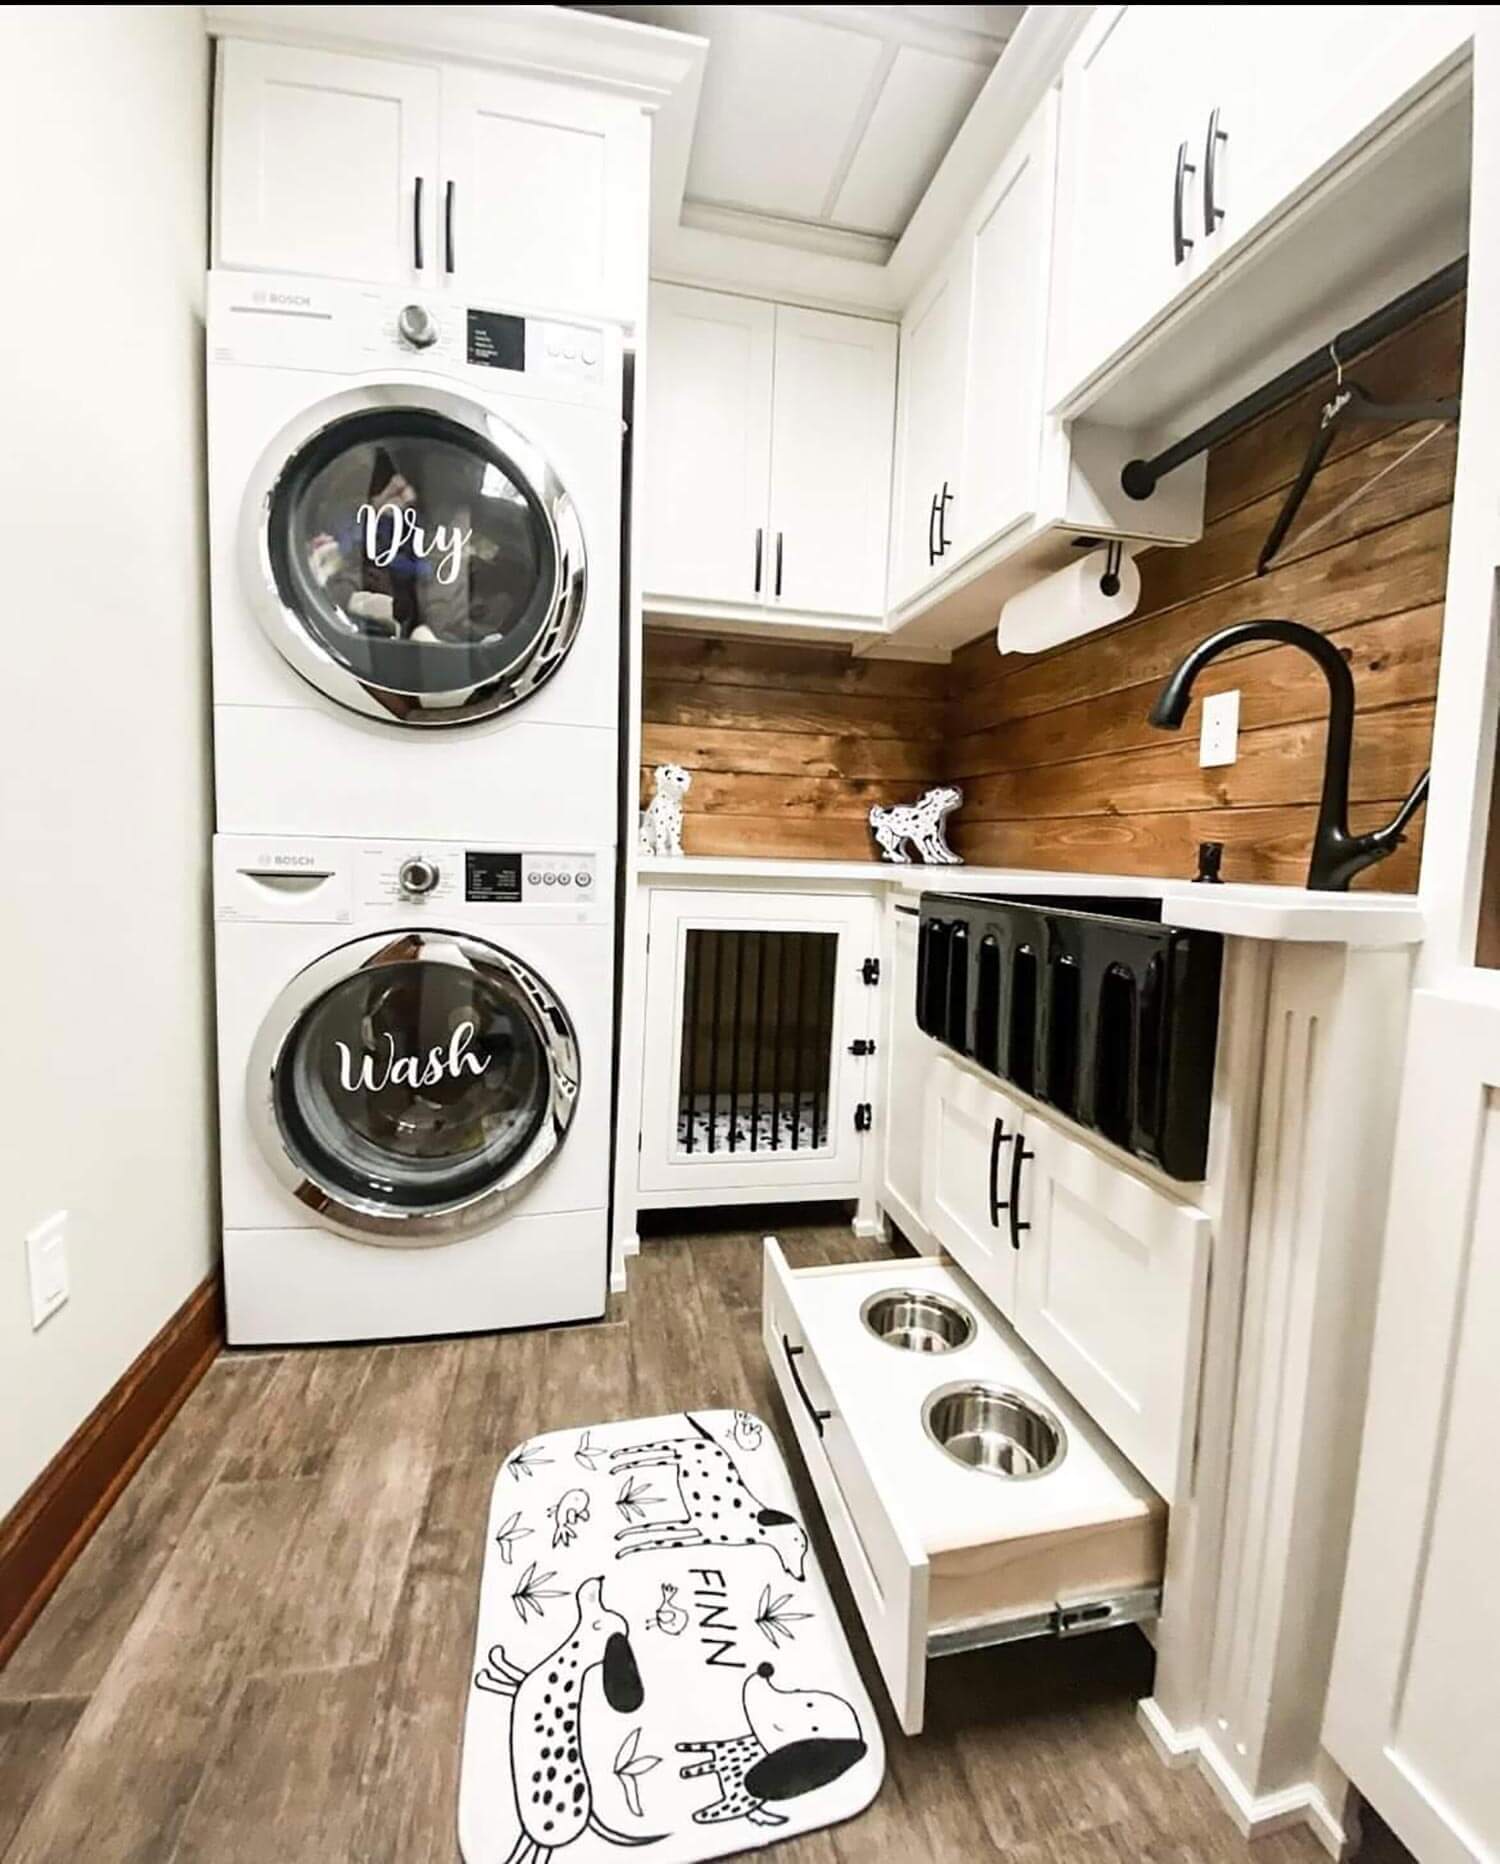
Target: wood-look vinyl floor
{"x": 263, "y": 1655}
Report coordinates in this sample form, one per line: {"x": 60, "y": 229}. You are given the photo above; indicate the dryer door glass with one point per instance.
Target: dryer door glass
{"x": 422, "y": 572}
{"x": 417, "y": 1085}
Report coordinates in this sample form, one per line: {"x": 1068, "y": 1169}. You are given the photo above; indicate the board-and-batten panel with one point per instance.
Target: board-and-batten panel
{"x": 1059, "y": 766}
{"x": 789, "y": 745}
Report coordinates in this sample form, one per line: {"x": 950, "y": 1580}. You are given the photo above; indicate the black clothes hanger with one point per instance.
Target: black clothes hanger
{"x": 1349, "y": 402}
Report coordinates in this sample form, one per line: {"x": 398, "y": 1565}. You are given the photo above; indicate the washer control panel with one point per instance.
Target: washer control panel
{"x": 442, "y": 874}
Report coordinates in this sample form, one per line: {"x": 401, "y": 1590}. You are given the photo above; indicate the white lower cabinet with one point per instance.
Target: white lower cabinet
{"x": 940, "y": 1555}
{"x": 1102, "y": 1272}
{"x": 906, "y": 1057}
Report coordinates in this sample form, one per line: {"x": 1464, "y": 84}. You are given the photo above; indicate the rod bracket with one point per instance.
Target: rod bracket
{"x": 1138, "y": 479}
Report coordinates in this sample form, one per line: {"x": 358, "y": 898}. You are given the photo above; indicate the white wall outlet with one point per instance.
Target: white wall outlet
{"x": 1219, "y": 743}
{"x": 47, "y": 1267}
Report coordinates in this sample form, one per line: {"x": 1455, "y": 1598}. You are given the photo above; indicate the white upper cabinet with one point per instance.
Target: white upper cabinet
{"x": 504, "y": 187}
{"x": 1187, "y": 132}
{"x": 543, "y": 196}
{"x": 929, "y": 430}
{"x": 1009, "y": 271}
{"x": 326, "y": 164}
{"x": 706, "y": 439}
{"x": 766, "y": 463}
{"x": 1129, "y": 196}
{"x": 832, "y": 425}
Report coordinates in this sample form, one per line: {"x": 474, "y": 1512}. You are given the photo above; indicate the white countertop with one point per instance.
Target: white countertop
{"x": 1285, "y": 914}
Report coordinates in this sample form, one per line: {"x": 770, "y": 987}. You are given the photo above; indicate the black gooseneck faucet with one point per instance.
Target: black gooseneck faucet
{"x": 1337, "y": 856}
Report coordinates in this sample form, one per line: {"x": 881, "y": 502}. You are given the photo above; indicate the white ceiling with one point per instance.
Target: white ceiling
{"x": 821, "y": 126}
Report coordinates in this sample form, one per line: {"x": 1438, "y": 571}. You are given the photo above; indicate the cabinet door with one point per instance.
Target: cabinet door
{"x": 1415, "y": 1697}
{"x": 905, "y": 1058}
{"x": 706, "y": 445}
{"x": 929, "y": 431}
{"x": 326, "y": 164}
{"x": 971, "y": 1130}
{"x": 545, "y": 193}
{"x": 833, "y": 420}
{"x": 1010, "y": 263}
{"x": 1131, "y": 104}
{"x": 1294, "y": 91}
{"x": 752, "y": 1003}
{"x": 1112, "y": 1279}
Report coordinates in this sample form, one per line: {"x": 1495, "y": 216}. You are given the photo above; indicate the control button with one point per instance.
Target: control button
{"x": 418, "y": 876}
{"x": 565, "y": 880}
{"x": 534, "y": 878}
{"x": 416, "y": 325}
{"x": 584, "y": 878}
{"x": 590, "y": 354}
{"x": 549, "y": 879}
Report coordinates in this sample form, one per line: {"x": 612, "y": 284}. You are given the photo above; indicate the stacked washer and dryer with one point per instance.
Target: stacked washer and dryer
{"x": 415, "y": 520}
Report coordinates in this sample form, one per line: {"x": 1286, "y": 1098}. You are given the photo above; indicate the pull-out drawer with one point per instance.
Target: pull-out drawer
{"x": 942, "y": 1555}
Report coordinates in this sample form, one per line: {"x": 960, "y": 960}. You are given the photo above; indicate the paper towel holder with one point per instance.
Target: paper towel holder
{"x": 1114, "y": 555}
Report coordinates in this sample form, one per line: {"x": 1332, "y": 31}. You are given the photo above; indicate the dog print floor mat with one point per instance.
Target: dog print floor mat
{"x": 658, "y": 1664}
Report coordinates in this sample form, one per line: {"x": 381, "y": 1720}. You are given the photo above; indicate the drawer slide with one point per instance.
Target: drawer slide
{"x": 1075, "y": 1619}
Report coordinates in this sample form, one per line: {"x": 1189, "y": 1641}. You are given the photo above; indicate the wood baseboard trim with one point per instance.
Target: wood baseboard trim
{"x": 53, "y": 1521}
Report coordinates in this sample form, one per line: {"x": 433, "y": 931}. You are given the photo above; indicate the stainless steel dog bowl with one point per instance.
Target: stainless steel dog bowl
{"x": 999, "y": 1432}
{"x": 918, "y": 1322}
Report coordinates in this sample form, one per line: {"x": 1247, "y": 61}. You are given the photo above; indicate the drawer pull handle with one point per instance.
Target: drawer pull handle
{"x": 1018, "y": 1159}
{"x": 1181, "y": 244}
{"x": 999, "y": 1137}
{"x": 819, "y": 1418}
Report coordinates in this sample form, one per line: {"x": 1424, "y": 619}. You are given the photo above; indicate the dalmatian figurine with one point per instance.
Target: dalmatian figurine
{"x": 661, "y": 825}
{"x": 795, "y": 1741}
{"x": 920, "y": 824}
{"x": 554, "y": 1795}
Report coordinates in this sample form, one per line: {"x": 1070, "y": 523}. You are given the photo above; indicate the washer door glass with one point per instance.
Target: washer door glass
{"x": 416, "y": 1086}
{"x": 423, "y": 560}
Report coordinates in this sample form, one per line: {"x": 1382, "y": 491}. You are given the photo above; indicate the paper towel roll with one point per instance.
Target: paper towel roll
{"x": 1066, "y": 604}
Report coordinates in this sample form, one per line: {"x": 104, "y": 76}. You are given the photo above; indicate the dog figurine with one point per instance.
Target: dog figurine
{"x": 921, "y": 825}
{"x": 661, "y": 825}
{"x": 554, "y": 1795}
{"x": 796, "y": 1741}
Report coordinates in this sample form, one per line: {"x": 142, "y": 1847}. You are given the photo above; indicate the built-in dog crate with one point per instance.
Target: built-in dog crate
{"x": 760, "y": 1025}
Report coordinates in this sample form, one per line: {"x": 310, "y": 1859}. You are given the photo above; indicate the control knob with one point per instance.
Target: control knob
{"x": 417, "y": 326}
{"x": 418, "y": 876}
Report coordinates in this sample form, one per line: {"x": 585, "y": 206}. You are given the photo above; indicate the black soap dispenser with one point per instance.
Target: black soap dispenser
{"x": 1210, "y": 859}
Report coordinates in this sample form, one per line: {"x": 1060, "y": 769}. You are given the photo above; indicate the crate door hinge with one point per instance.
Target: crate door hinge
{"x": 864, "y": 1117}
{"x": 870, "y": 970}
{"x": 861, "y": 1045}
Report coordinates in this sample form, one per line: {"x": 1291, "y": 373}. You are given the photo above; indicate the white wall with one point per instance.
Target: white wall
{"x": 105, "y": 1041}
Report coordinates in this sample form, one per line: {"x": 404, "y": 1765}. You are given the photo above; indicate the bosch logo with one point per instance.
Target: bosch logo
{"x": 289, "y": 860}
{"x": 296, "y": 299}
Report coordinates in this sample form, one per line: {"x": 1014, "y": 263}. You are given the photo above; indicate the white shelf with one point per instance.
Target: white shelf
{"x": 1289, "y": 915}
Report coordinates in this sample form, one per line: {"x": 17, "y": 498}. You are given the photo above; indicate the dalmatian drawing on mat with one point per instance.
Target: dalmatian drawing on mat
{"x": 554, "y": 1796}
{"x": 718, "y": 1509}
{"x": 795, "y": 1741}
{"x": 922, "y": 824}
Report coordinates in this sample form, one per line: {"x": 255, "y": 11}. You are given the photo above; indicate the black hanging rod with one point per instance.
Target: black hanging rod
{"x": 1140, "y": 477}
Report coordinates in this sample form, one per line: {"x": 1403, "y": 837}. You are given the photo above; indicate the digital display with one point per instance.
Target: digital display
{"x": 496, "y": 340}
{"x": 492, "y": 876}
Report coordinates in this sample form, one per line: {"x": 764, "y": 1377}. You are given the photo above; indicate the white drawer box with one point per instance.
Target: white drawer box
{"x": 939, "y": 1556}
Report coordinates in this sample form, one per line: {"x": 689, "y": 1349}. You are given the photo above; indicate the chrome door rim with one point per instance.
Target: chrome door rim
{"x": 289, "y": 634}
{"x": 367, "y": 1220}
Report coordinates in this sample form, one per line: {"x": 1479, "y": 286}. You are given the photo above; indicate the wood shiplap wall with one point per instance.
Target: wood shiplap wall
{"x": 788, "y": 745}
{"x": 1058, "y": 764}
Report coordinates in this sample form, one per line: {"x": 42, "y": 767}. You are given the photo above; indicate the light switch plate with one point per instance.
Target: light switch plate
{"x": 1219, "y": 742}
{"x": 47, "y": 1267}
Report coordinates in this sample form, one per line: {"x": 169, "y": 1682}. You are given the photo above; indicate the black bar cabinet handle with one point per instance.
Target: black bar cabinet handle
{"x": 819, "y": 1418}
{"x": 945, "y": 498}
{"x": 448, "y": 228}
{"x": 416, "y": 223}
{"x": 931, "y": 522}
{"x": 998, "y": 1138}
{"x": 779, "y": 541}
{"x": 760, "y": 551}
{"x": 1212, "y": 212}
{"x": 1017, "y": 1159}
{"x": 1181, "y": 244}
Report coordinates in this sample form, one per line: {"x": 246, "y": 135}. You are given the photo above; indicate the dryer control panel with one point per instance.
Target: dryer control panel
{"x": 443, "y": 873}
